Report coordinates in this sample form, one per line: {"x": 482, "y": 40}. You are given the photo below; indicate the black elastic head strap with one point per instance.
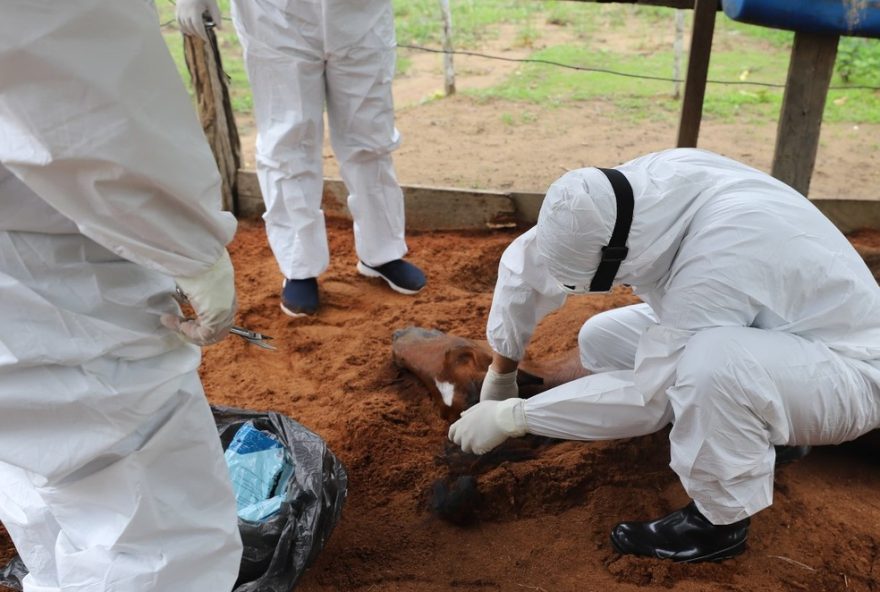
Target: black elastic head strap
{"x": 616, "y": 250}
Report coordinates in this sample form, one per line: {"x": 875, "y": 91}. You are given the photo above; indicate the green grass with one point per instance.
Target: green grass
{"x": 748, "y": 53}
{"x": 739, "y": 50}
{"x": 552, "y": 86}
{"x": 419, "y": 21}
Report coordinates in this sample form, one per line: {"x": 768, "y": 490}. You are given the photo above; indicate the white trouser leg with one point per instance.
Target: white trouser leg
{"x": 608, "y": 340}
{"x": 360, "y": 113}
{"x": 31, "y": 527}
{"x": 740, "y": 391}
{"x": 286, "y": 73}
{"x": 126, "y": 458}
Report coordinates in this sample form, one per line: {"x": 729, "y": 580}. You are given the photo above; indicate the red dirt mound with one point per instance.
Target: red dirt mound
{"x": 544, "y": 521}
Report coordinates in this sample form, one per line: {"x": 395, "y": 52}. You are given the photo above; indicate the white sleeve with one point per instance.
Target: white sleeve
{"x": 95, "y": 119}
{"x": 601, "y": 406}
{"x": 524, "y": 294}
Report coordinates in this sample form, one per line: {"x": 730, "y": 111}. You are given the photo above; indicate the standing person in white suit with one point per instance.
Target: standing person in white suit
{"x": 301, "y": 54}
{"x": 112, "y": 476}
{"x": 760, "y": 327}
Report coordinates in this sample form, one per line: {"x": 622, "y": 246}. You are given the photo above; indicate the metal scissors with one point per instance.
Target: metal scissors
{"x": 257, "y": 339}
{"x": 253, "y": 337}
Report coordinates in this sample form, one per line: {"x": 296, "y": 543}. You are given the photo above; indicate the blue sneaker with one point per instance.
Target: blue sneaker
{"x": 299, "y": 298}
{"x": 402, "y": 276}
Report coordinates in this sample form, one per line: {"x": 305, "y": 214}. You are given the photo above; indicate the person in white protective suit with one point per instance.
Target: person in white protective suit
{"x": 112, "y": 476}
{"x": 300, "y": 54}
{"x": 759, "y": 327}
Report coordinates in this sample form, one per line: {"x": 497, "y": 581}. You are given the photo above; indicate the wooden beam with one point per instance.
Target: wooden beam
{"x": 215, "y": 111}
{"x": 697, "y": 73}
{"x": 427, "y": 208}
{"x": 448, "y": 208}
{"x": 797, "y": 134}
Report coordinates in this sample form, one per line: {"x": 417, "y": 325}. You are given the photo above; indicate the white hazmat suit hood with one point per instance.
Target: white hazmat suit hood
{"x": 579, "y": 212}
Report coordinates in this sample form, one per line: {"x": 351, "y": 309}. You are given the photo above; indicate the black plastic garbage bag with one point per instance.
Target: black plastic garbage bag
{"x": 278, "y": 550}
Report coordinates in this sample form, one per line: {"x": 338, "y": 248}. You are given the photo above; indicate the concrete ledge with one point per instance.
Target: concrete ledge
{"x": 446, "y": 208}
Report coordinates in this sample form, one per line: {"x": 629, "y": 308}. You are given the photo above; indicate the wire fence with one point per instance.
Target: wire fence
{"x": 171, "y": 25}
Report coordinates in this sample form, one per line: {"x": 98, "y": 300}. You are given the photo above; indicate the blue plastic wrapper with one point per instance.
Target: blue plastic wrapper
{"x": 259, "y": 468}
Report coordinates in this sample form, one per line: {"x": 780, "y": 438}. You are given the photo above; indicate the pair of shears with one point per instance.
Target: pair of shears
{"x": 253, "y": 337}
{"x": 257, "y": 339}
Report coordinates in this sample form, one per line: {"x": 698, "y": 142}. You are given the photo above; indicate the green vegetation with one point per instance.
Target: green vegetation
{"x": 859, "y": 59}
{"x": 740, "y": 53}
{"x": 419, "y": 21}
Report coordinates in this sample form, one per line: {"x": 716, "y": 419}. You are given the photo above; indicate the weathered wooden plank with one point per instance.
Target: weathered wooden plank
{"x": 445, "y": 208}
{"x": 427, "y": 208}
{"x": 215, "y": 111}
{"x": 437, "y": 208}
{"x": 797, "y": 134}
{"x": 697, "y": 72}
{"x": 448, "y": 62}
{"x": 250, "y": 197}
{"x": 851, "y": 214}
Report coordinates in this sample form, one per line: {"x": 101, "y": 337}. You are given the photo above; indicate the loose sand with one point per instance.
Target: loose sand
{"x": 545, "y": 521}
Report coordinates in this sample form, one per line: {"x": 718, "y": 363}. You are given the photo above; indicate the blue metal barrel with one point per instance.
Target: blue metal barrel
{"x": 859, "y": 18}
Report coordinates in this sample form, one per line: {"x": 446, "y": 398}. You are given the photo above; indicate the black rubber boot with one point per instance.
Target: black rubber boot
{"x": 684, "y": 536}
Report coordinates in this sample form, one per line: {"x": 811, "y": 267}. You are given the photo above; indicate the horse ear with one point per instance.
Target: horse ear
{"x": 465, "y": 366}
{"x": 467, "y": 359}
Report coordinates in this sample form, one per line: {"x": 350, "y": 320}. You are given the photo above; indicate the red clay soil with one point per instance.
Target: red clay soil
{"x": 544, "y": 521}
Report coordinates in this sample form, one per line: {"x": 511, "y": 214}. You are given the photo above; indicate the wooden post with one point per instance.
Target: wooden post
{"x": 448, "y": 65}
{"x": 677, "y": 51}
{"x": 215, "y": 111}
{"x": 698, "y": 71}
{"x": 797, "y": 135}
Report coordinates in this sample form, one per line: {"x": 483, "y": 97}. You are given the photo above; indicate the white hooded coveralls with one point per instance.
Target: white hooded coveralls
{"x": 112, "y": 477}
{"x": 300, "y": 54}
{"x": 760, "y": 324}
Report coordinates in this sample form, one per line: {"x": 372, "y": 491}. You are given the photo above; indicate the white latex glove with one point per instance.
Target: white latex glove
{"x": 497, "y": 387}
{"x": 212, "y": 297}
{"x": 189, "y": 16}
{"x": 489, "y": 423}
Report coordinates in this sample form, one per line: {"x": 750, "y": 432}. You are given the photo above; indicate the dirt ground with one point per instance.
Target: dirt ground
{"x": 544, "y": 522}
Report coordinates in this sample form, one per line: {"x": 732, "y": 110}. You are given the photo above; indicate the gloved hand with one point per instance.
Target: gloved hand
{"x": 212, "y": 297}
{"x": 497, "y": 387}
{"x": 489, "y": 423}
{"x": 189, "y": 16}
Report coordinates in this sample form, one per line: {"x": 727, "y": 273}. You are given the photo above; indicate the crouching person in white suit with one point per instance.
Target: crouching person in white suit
{"x": 112, "y": 476}
{"x": 760, "y": 327}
